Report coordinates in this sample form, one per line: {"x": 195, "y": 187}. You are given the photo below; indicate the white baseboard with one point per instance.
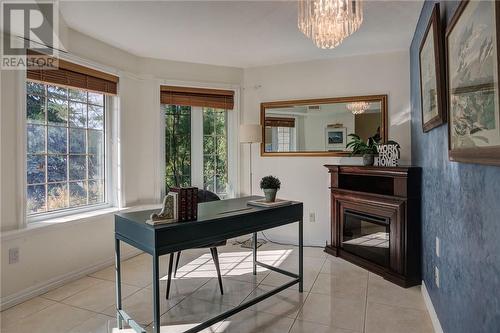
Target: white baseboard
{"x": 45, "y": 286}
{"x": 431, "y": 310}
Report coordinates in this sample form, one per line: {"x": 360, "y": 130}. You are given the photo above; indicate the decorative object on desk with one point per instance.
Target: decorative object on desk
{"x": 388, "y": 154}
{"x": 270, "y": 185}
{"x": 432, "y": 74}
{"x": 473, "y": 62}
{"x": 265, "y": 203}
{"x": 187, "y": 203}
{"x": 366, "y": 149}
{"x": 168, "y": 212}
{"x": 335, "y": 137}
{"x": 250, "y": 134}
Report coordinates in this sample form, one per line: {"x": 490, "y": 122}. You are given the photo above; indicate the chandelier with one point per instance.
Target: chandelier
{"x": 358, "y": 107}
{"x": 329, "y": 22}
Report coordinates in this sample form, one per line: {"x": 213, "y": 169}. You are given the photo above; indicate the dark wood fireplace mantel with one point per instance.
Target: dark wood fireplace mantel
{"x": 384, "y": 202}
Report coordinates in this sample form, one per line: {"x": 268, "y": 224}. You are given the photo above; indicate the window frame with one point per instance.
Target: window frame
{"x": 233, "y": 153}
{"x": 214, "y": 154}
{"x": 109, "y": 104}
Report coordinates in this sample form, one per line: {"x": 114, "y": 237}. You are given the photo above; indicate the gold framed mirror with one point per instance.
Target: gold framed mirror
{"x": 321, "y": 127}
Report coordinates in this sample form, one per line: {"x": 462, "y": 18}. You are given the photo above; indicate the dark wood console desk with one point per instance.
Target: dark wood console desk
{"x": 375, "y": 220}
{"x": 217, "y": 221}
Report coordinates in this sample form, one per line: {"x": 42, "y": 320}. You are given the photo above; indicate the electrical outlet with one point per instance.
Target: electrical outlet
{"x": 438, "y": 249}
{"x": 312, "y": 217}
{"x": 14, "y": 255}
{"x": 436, "y": 276}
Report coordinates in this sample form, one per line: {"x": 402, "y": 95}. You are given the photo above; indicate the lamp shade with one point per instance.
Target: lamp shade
{"x": 250, "y": 133}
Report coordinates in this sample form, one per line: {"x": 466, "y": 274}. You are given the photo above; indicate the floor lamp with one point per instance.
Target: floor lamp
{"x": 250, "y": 134}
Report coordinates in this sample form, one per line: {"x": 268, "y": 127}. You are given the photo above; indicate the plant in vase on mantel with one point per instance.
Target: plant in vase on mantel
{"x": 367, "y": 149}
{"x": 270, "y": 185}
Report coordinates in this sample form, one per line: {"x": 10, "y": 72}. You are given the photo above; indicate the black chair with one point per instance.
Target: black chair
{"x": 203, "y": 196}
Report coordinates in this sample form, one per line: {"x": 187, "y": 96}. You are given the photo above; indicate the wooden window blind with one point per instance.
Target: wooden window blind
{"x": 280, "y": 122}
{"x": 73, "y": 75}
{"x": 213, "y": 98}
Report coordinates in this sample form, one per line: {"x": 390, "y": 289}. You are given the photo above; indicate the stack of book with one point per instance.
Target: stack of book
{"x": 187, "y": 203}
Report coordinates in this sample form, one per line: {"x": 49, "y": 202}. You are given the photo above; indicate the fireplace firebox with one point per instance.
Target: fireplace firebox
{"x": 375, "y": 220}
{"x": 366, "y": 236}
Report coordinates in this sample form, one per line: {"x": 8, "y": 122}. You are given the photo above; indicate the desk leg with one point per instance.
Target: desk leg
{"x": 254, "y": 248}
{"x": 118, "y": 282}
{"x": 156, "y": 294}
{"x": 301, "y": 256}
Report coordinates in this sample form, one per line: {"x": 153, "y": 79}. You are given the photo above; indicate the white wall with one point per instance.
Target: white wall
{"x": 305, "y": 178}
{"x": 64, "y": 250}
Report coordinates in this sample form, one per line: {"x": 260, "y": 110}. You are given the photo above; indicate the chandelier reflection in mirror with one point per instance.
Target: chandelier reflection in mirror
{"x": 358, "y": 107}
{"x": 329, "y": 22}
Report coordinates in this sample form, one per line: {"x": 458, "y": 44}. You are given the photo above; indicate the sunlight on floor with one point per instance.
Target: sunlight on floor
{"x": 231, "y": 264}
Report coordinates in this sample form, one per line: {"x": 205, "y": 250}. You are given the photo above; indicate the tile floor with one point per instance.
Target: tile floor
{"x": 338, "y": 297}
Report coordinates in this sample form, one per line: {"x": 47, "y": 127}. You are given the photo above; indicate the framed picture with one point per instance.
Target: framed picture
{"x": 335, "y": 138}
{"x": 472, "y": 43}
{"x": 432, "y": 74}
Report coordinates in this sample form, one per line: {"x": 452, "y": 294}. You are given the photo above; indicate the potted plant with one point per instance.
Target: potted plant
{"x": 270, "y": 185}
{"x": 366, "y": 149}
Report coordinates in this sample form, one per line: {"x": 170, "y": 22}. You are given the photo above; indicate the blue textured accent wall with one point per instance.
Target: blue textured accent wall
{"x": 461, "y": 206}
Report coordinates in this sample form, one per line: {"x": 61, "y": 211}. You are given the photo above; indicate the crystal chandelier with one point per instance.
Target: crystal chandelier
{"x": 329, "y": 22}
{"x": 358, "y": 107}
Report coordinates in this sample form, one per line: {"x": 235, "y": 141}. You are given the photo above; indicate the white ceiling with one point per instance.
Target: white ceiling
{"x": 233, "y": 33}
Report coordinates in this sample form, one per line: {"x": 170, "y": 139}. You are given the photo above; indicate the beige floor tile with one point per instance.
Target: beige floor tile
{"x": 338, "y": 312}
{"x": 190, "y": 312}
{"x": 71, "y": 288}
{"x": 307, "y": 327}
{"x": 234, "y": 291}
{"x": 277, "y": 279}
{"x": 381, "y": 318}
{"x": 309, "y": 251}
{"x": 139, "y": 306}
{"x": 99, "y": 297}
{"x": 133, "y": 272}
{"x": 336, "y": 303}
{"x": 291, "y": 262}
{"x": 54, "y": 319}
{"x": 341, "y": 286}
{"x": 96, "y": 324}
{"x": 20, "y": 311}
{"x": 181, "y": 287}
{"x": 286, "y": 303}
{"x": 245, "y": 274}
{"x": 338, "y": 266}
{"x": 383, "y": 291}
{"x": 249, "y": 321}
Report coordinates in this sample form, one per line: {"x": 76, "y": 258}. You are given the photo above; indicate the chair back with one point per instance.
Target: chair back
{"x": 206, "y": 196}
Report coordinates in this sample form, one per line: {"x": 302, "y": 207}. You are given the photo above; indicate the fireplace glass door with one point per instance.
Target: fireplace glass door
{"x": 366, "y": 236}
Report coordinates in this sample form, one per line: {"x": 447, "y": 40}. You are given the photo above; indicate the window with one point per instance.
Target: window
{"x": 284, "y": 140}
{"x": 215, "y": 150}
{"x": 202, "y": 127}
{"x": 177, "y": 145}
{"x": 65, "y": 148}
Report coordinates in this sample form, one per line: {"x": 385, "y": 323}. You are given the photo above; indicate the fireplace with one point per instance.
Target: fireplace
{"x": 366, "y": 236}
{"x": 375, "y": 220}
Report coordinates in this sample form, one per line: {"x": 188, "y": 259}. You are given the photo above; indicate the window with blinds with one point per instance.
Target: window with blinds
{"x": 65, "y": 126}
